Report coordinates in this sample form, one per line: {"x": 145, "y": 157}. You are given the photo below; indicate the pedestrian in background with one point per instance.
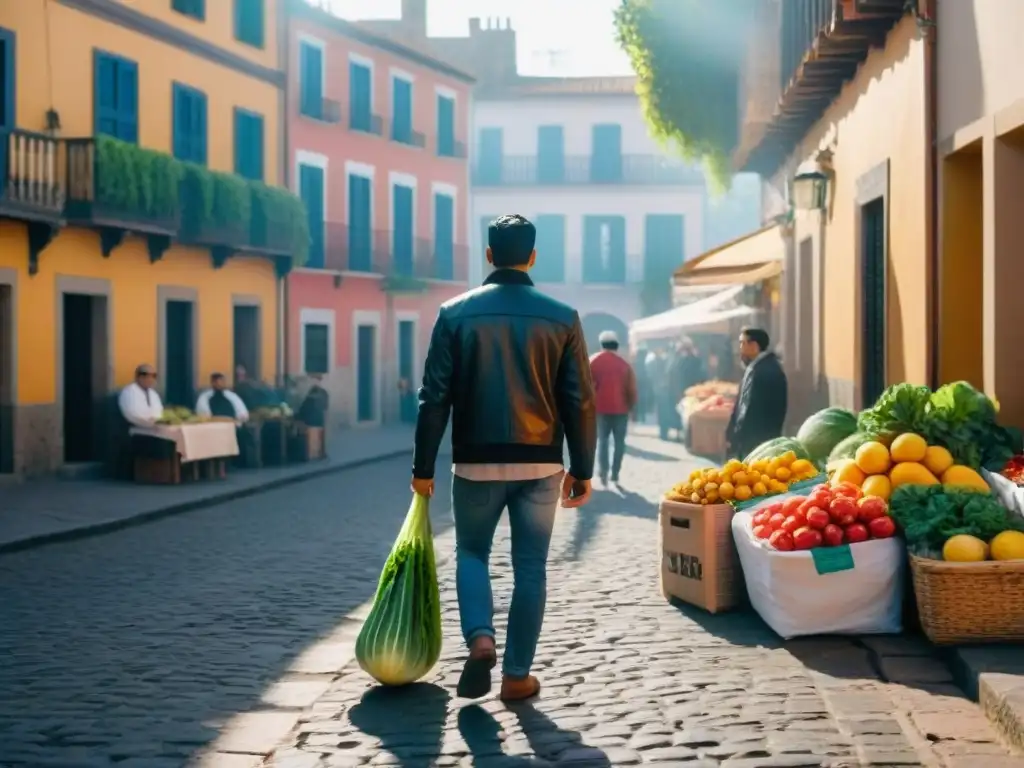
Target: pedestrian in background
{"x": 760, "y": 409}
{"x": 615, "y": 395}
{"x": 510, "y": 364}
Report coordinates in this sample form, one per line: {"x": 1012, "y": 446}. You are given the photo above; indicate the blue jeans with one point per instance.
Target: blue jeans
{"x": 477, "y": 507}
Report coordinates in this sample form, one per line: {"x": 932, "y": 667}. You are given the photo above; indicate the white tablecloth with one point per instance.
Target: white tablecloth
{"x": 194, "y": 442}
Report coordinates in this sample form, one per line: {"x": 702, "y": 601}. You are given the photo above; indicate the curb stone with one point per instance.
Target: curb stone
{"x": 998, "y": 689}
{"x": 109, "y": 526}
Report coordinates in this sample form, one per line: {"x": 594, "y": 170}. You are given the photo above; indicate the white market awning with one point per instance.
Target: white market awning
{"x": 708, "y": 311}
{"x": 746, "y": 260}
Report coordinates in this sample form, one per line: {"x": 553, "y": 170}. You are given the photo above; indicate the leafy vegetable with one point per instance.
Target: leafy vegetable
{"x": 964, "y": 420}
{"x": 401, "y": 640}
{"x": 930, "y": 514}
{"x": 901, "y": 408}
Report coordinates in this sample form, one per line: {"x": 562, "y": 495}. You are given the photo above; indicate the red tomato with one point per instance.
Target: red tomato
{"x": 848, "y": 489}
{"x": 856, "y": 533}
{"x": 818, "y": 518}
{"x": 832, "y": 535}
{"x": 843, "y": 510}
{"x": 793, "y": 522}
{"x": 822, "y": 498}
{"x": 776, "y": 521}
{"x": 760, "y": 518}
{"x": 782, "y": 541}
{"x": 821, "y": 487}
{"x": 792, "y": 504}
{"x": 870, "y": 508}
{"x": 882, "y": 527}
{"x": 807, "y": 505}
{"x": 806, "y": 538}
{"x": 762, "y": 532}
{"x": 771, "y": 509}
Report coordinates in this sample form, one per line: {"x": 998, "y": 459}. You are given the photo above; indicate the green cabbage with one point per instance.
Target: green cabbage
{"x": 401, "y": 640}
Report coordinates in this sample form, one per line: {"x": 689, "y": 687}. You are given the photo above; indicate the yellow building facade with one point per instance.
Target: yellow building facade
{"x": 981, "y": 189}
{"x": 112, "y": 255}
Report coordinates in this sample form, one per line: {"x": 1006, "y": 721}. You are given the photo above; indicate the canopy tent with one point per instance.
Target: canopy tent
{"x": 710, "y": 311}
{"x": 746, "y": 260}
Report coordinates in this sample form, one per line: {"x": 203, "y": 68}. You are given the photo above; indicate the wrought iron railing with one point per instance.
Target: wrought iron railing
{"x": 532, "y": 170}
{"x": 386, "y": 252}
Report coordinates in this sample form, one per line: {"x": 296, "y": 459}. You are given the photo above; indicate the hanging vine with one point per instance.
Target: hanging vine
{"x": 687, "y": 56}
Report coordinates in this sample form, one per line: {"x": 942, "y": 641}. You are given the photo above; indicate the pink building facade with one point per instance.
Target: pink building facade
{"x": 377, "y": 150}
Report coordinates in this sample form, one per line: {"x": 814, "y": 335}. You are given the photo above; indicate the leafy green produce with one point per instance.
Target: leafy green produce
{"x": 401, "y": 640}
{"x": 929, "y": 514}
{"x": 964, "y": 420}
{"x": 901, "y": 408}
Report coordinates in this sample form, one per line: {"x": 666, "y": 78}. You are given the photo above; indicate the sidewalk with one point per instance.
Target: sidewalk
{"x": 39, "y": 512}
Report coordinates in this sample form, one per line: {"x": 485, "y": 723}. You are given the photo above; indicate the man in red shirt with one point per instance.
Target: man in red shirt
{"x": 615, "y": 390}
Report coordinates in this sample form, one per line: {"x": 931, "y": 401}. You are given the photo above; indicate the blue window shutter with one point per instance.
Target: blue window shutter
{"x": 664, "y": 245}
{"x": 311, "y": 190}
{"x": 444, "y": 237}
{"x": 256, "y": 147}
{"x": 550, "y": 266}
{"x": 249, "y": 145}
{"x": 311, "y": 85}
{"x": 105, "y": 94}
{"x": 360, "y": 96}
{"x": 604, "y": 249}
{"x": 7, "y": 100}
{"x": 550, "y": 154}
{"x": 360, "y": 237}
{"x": 445, "y": 126}
{"x": 199, "y": 131}
{"x": 491, "y": 155}
{"x": 402, "y": 226}
{"x": 127, "y": 100}
{"x": 606, "y": 153}
{"x": 241, "y": 143}
{"x": 179, "y": 118}
{"x": 249, "y": 22}
{"x": 401, "y": 129}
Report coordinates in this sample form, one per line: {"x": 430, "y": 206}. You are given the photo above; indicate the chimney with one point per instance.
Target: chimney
{"x": 474, "y": 26}
{"x": 414, "y": 18}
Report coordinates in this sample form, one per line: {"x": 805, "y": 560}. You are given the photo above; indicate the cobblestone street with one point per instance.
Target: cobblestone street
{"x": 138, "y": 648}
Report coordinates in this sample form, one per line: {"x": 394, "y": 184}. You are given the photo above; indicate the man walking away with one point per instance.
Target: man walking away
{"x": 615, "y": 388}
{"x": 511, "y": 366}
{"x": 760, "y": 409}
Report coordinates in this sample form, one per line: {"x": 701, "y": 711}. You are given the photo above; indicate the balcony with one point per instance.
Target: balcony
{"x": 119, "y": 188}
{"x": 376, "y": 252}
{"x": 366, "y": 123}
{"x": 818, "y": 44}
{"x": 324, "y": 110}
{"x": 450, "y": 148}
{"x": 639, "y": 170}
{"x": 404, "y": 135}
{"x": 33, "y": 179}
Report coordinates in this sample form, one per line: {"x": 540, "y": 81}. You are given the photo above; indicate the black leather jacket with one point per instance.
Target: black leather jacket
{"x": 511, "y": 365}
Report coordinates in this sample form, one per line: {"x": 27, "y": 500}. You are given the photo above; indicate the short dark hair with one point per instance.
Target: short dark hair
{"x": 757, "y": 335}
{"x": 217, "y": 375}
{"x": 511, "y": 239}
{"x": 612, "y": 345}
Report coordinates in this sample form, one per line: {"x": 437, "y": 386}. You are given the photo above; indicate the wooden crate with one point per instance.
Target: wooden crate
{"x": 707, "y": 434}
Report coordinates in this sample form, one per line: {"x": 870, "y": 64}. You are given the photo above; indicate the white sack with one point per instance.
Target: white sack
{"x": 794, "y": 599}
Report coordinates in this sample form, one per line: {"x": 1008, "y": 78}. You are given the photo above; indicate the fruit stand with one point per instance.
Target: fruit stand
{"x": 180, "y": 445}
{"x": 705, "y": 410}
{"x": 923, "y": 485}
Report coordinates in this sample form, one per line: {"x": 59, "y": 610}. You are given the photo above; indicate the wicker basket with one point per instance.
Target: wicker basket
{"x": 970, "y": 602}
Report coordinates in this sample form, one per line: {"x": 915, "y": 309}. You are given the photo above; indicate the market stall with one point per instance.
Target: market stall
{"x": 711, "y": 314}
{"x": 826, "y": 527}
{"x": 705, "y": 410}
{"x": 183, "y": 449}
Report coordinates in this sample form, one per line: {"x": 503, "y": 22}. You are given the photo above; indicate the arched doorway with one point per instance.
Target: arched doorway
{"x": 597, "y": 322}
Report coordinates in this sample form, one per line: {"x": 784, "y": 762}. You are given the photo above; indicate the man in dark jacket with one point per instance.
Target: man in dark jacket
{"x": 760, "y": 409}
{"x": 511, "y": 366}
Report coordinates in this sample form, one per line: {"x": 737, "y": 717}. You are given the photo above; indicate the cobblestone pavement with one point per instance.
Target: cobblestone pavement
{"x": 630, "y": 679}
{"x": 136, "y": 648}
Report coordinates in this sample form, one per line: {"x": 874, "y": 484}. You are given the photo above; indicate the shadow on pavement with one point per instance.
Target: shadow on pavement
{"x": 548, "y": 742}
{"x": 606, "y": 500}
{"x": 409, "y": 721}
{"x": 641, "y": 453}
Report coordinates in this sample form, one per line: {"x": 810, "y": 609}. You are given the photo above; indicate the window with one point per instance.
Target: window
{"x": 550, "y": 154}
{"x": 360, "y": 83}
{"x": 401, "y": 110}
{"x": 194, "y": 8}
{"x": 189, "y": 124}
{"x": 873, "y": 290}
{"x": 606, "y": 153}
{"x": 116, "y": 97}
{"x": 248, "y": 144}
{"x": 7, "y": 121}
{"x": 249, "y": 22}
{"x": 315, "y": 337}
{"x": 489, "y": 166}
{"x": 311, "y": 191}
{"x": 360, "y": 222}
{"x": 664, "y": 249}
{"x": 311, "y": 80}
{"x": 604, "y": 249}
{"x": 550, "y": 266}
{"x": 445, "y": 126}
{"x": 402, "y": 238}
{"x": 444, "y": 236}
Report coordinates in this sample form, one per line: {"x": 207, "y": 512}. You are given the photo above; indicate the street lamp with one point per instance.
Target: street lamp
{"x": 810, "y": 183}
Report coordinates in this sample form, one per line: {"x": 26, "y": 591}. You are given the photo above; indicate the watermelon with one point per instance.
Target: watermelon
{"x": 777, "y": 447}
{"x": 847, "y": 447}
{"x": 825, "y": 430}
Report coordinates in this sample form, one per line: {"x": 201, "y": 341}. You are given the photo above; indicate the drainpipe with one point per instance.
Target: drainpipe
{"x": 926, "y": 20}
{"x": 283, "y": 56}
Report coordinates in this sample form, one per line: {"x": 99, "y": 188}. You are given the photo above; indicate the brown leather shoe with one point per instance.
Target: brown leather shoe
{"x": 475, "y": 680}
{"x": 519, "y": 688}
